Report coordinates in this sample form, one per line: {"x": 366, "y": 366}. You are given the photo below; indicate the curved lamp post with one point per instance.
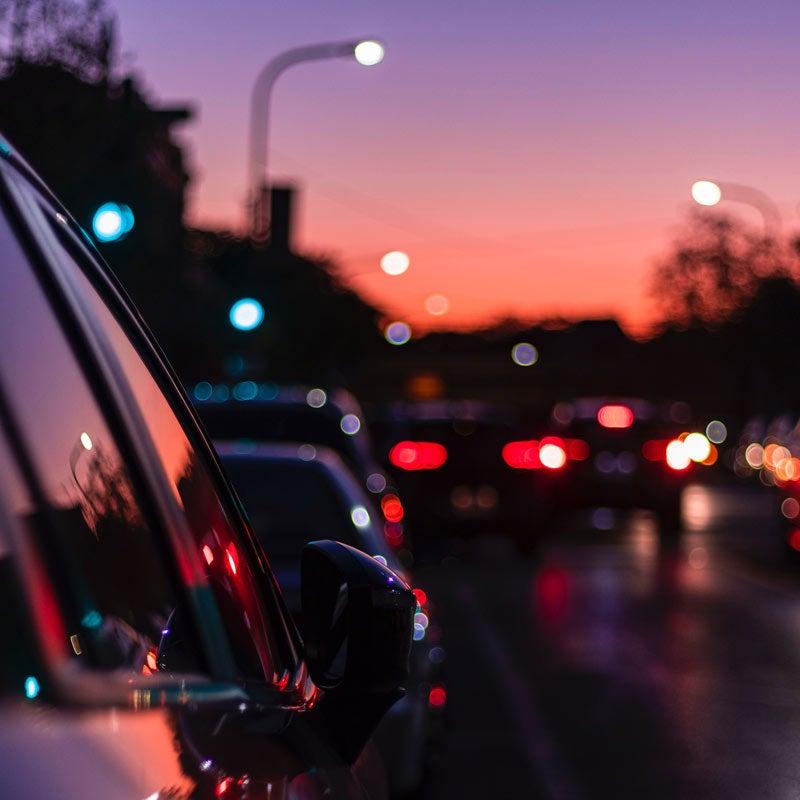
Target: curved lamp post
{"x": 367, "y": 52}
{"x": 709, "y": 193}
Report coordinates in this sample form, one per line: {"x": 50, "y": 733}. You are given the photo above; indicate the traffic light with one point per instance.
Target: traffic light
{"x": 112, "y": 221}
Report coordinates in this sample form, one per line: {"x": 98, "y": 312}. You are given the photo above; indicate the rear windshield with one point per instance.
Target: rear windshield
{"x": 290, "y": 504}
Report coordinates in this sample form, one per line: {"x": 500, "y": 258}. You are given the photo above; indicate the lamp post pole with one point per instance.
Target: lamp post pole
{"x": 366, "y": 52}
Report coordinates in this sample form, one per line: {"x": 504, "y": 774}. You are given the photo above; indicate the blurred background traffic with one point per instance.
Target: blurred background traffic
{"x": 562, "y": 401}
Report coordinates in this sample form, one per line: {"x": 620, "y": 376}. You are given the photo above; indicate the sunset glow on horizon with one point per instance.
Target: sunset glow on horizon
{"x": 535, "y": 161}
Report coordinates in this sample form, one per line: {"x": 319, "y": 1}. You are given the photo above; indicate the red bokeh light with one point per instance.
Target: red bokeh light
{"x": 418, "y": 455}
{"x": 422, "y": 598}
{"x": 577, "y": 449}
{"x": 794, "y": 539}
{"x": 437, "y": 696}
{"x": 522, "y": 454}
{"x": 615, "y": 417}
{"x": 655, "y": 449}
{"x": 392, "y": 508}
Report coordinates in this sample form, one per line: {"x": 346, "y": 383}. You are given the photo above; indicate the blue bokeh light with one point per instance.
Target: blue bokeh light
{"x": 246, "y": 314}
{"x": 112, "y": 221}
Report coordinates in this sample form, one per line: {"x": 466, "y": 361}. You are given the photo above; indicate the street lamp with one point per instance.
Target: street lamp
{"x": 367, "y": 52}
{"x": 710, "y": 193}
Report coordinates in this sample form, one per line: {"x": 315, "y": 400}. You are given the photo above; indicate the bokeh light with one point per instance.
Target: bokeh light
{"x": 676, "y": 455}
{"x": 395, "y": 262}
{"x": 369, "y": 52}
{"x": 376, "y": 483}
{"x": 112, "y": 221}
{"x": 397, "y": 333}
{"x": 350, "y": 424}
{"x": 437, "y": 305}
{"x": 524, "y": 354}
{"x": 552, "y": 456}
{"x": 706, "y": 193}
{"x": 754, "y": 455}
{"x": 697, "y": 447}
{"x": 716, "y": 431}
{"x": 246, "y": 314}
{"x": 790, "y": 508}
{"x": 360, "y": 516}
{"x": 86, "y": 441}
{"x": 316, "y": 398}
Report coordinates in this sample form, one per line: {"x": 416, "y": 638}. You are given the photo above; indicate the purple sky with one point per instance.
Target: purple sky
{"x": 531, "y": 157}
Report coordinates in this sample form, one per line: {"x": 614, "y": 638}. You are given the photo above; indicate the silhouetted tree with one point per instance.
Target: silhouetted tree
{"x": 75, "y": 36}
{"x": 714, "y": 269}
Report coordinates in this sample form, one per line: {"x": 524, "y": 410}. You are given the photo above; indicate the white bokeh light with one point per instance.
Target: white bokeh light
{"x": 395, "y": 262}
{"x": 706, "y": 193}
{"x": 369, "y": 52}
{"x": 437, "y": 305}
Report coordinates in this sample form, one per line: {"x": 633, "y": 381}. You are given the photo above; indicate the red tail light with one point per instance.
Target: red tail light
{"x": 522, "y": 455}
{"x": 577, "y": 449}
{"x": 418, "y": 455}
{"x": 615, "y": 416}
{"x": 437, "y": 696}
{"x": 392, "y": 508}
{"x": 655, "y": 449}
{"x": 552, "y": 453}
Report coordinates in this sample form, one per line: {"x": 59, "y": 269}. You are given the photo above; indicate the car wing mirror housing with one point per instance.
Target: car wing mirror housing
{"x": 358, "y": 623}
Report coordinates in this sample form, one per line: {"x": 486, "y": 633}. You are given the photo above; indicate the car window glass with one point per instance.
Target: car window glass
{"x": 227, "y": 567}
{"x": 99, "y": 539}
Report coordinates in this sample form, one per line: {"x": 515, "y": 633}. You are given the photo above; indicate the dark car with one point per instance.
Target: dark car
{"x": 447, "y": 460}
{"x": 611, "y": 453}
{"x": 332, "y": 418}
{"x": 297, "y": 492}
{"x": 147, "y": 650}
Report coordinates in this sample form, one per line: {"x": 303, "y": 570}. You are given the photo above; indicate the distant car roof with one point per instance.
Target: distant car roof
{"x": 328, "y": 461}
{"x": 265, "y": 412}
{"x": 448, "y": 410}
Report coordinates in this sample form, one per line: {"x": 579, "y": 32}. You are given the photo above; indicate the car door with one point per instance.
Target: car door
{"x": 233, "y": 611}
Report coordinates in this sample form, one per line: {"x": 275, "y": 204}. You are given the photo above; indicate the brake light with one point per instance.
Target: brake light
{"x": 676, "y": 456}
{"x": 615, "y": 416}
{"x": 418, "y": 455}
{"x": 577, "y": 449}
{"x": 552, "y": 455}
{"x": 551, "y": 452}
{"x": 437, "y": 696}
{"x": 522, "y": 455}
{"x": 655, "y": 449}
{"x": 392, "y": 508}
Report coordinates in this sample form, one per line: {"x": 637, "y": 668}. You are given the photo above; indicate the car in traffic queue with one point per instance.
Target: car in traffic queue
{"x": 295, "y": 492}
{"x": 446, "y": 459}
{"x": 333, "y": 418}
{"x": 616, "y": 453}
{"x": 769, "y": 450}
{"x": 149, "y": 653}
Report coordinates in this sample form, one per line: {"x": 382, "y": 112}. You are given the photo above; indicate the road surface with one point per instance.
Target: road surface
{"x": 612, "y": 667}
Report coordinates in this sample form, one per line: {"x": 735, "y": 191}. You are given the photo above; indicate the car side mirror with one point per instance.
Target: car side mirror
{"x": 358, "y": 623}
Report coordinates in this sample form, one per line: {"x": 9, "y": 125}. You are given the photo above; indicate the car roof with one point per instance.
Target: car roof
{"x": 325, "y": 459}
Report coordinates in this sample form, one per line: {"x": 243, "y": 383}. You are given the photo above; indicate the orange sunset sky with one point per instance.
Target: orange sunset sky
{"x": 533, "y": 158}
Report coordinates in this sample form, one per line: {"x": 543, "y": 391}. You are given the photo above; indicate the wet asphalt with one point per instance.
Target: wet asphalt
{"x": 613, "y": 665}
